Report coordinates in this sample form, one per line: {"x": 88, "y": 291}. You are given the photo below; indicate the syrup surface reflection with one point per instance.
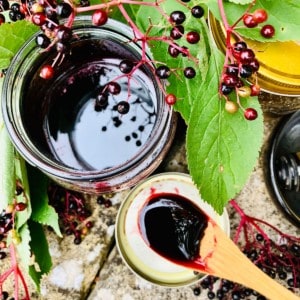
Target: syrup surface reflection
{"x": 173, "y": 226}
{"x": 96, "y": 137}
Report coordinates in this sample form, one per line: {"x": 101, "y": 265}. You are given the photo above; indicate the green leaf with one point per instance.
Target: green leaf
{"x": 13, "y": 36}
{"x": 21, "y": 175}
{"x": 283, "y": 15}
{"x": 23, "y": 248}
{"x": 222, "y": 148}
{"x": 42, "y": 212}
{"x": 40, "y": 251}
{"x": 7, "y": 168}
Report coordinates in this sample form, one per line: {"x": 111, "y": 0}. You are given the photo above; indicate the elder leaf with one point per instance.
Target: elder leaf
{"x": 21, "y": 176}
{"x": 23, "y": 248}
{"x": 13, "y": 36}
{"x": 222, "y": 148}
{"x": 40, "y": 249}
{"x": 7, "y": 166}
{"x": 42, "y": 212}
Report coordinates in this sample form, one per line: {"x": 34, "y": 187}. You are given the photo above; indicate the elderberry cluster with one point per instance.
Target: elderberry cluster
{"x": 14, "y": 11}
{"x": 72, "y": 211}
{"x": 243, "y": 65}
{"x": 177, "y": 34}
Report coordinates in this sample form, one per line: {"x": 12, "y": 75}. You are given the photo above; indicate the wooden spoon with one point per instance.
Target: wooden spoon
{"x": 219, "y": 256}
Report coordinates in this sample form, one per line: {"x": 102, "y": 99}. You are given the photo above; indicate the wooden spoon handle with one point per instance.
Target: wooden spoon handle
{"x": 228, "y": 262}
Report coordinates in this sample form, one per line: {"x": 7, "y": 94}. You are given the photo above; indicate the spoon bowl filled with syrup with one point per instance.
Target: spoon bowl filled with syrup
{"x": 150, "y": 228}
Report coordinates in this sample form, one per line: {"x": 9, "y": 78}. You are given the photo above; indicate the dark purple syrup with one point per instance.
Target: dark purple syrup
{"x": 61, "y": 117}
{"x": 173, "y": 226}
{"x": 87, "y": 137}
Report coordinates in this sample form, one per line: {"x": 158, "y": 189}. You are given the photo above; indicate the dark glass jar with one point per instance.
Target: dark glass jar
{"x": 58, "y": 126}
{"x": 283, "y": 166}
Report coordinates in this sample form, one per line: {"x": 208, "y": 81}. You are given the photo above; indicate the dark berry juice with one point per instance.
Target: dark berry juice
{"x": 173, "y": 226}
{"x": 84, "y": 124}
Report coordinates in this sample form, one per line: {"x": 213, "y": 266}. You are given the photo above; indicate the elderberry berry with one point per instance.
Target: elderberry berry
{"x": 237, "y": 48}
{"x": 123, "y": 107}
{"x": 64, "y": 10}
{"x": 177, "y": 32}
{"x": 163, "y": 72}
{"x": 15, "y": 7}
{"x": 42, "y": 40}
{"x": 245, "y": 71}
{"x": 173, "y": 51}
{"x": 197, "y": 291}
{"x": 178, "y": 17}
{"x": 232, "y": 69}
{"x": 246, "y": 56}
{"x": 189, "y": 72}
{"x": 230, "y": 80}
{"x": 47, "y": 72}
{"x": 211, "y": 295}
{"x": 62, "y": 47}
{"x": 4, "y": 5}
{"x": 114, "y": 88}
{"x": 77, "y": 240}
{"x": 171, "y": 99}
{"x": 197, "y": 11}
{"x": 101, "y": 101}
{"x": 2, "y": 19}
{"x": 250, "y": 114}
{"x": 193, "y": 37}
{"x": 249, "y": 21}
{"x": 38, "y": 18}
{"x": 50, "y": 13}
{"x": 4, "y": 295}
{"x": 225, "y": 89}
{"x": 126, "y": 66}
{"x": 63, "y": 33}
{"x": 99, "y": 17}
{"x": 254, "y": 64}
{"x": 267, "y": 31}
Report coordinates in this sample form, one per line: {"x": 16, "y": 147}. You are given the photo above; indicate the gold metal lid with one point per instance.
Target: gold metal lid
{"x": 279, "y": 71}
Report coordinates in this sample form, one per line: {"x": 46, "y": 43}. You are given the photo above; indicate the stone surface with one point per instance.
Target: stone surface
{"x": 279, "y": 104}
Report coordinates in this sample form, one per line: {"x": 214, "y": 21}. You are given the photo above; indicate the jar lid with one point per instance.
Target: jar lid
{"x": 284, "y": 166}
{"x": 279, "y": 71}
{"x": 136, "y": 253}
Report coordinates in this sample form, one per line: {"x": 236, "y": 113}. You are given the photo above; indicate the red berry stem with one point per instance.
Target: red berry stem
{"x": 14, "y": 269}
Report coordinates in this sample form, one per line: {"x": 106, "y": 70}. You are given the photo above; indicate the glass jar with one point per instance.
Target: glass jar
{"x": 136, "y": 252}
{"x": 57, "y": 125}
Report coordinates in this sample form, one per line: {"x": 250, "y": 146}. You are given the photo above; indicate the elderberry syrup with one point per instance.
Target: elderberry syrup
{"x": 159, "y": 226}
{"x": 84, "y": 134}
{"x": 89, "y": 126}
{"x": 173, "y": 226}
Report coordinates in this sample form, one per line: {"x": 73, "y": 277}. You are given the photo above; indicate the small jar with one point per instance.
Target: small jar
{"x": 58, "y": 126}
{"x": 278, "y": 75}
{"x": 136, "y": 253}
